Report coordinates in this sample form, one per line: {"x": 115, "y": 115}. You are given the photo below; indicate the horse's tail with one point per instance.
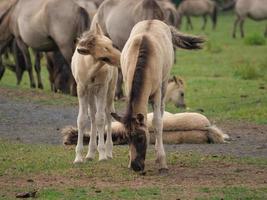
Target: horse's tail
{"x": 185, "y": 41}
{"x": 214, "y": 16}
{"x": 70, "y": 135}
{"x": 216, "y": 135}
{"x": 139, "y": 75}
{"x": 83, "y": 21}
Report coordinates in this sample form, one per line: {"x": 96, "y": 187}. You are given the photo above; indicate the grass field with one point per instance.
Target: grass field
{"x": 227, "y": 79}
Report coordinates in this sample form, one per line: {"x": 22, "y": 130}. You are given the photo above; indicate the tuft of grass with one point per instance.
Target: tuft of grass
{"x": 213, "y": 47}
{"x": 255, "y": 40}
{"x": 247, "y": 71}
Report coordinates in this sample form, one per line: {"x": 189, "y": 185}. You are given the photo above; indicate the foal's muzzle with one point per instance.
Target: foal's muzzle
{"x": 137, "y": 166}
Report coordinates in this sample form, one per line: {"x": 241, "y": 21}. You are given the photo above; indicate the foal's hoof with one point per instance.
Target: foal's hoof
{"x": 163, "y": 171}
{"x": 78, "y": 161}
{"x": 102, "y": 158}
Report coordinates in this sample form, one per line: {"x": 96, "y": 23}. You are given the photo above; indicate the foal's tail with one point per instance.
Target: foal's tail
{"x": 185, "y": 41}
{"x": 216, "y": 135}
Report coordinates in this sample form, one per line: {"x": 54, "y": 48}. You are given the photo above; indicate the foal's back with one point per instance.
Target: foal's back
{"x": 160, "y": 48}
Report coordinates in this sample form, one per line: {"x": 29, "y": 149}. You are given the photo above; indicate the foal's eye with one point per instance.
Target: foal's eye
{"x": 105, "y": 59}
{"x": 182, "y": 94}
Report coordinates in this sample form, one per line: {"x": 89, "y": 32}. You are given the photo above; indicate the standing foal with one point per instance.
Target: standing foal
{"x": 146, "y": 61}
{"x": 96, "y": 81}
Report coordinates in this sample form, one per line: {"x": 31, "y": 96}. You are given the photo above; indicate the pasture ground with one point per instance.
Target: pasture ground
{"x": 227, "y": 80}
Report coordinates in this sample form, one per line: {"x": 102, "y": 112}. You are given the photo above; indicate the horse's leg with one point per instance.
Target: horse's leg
{"x": 92, "y": 143}
{"x": 189, "y": 23}
{"x": 37, "y": 67}
{"x": 81, "y": 122}
{"x": 119, "y": 91}
{"x": 204, "y": 22}
{"x": 2, "y": 68}
{"x": 242, "y": 27}
{"x": 51, "y": 71}
{"x": 19, "y": 61}
{"x": 109, "y": 109}
{"x": 109, "y": 143}
{"x": 67, "y": 51}
{"x": 100, "y": 121}
{"x": 235, "y": 25}
{"x": 27, "y": 58}
{"x": 157, "y": 123}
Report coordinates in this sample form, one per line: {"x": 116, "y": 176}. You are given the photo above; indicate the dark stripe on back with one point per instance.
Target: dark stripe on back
{"x": 149, "y": 24}
{"x": 138, "y": 79}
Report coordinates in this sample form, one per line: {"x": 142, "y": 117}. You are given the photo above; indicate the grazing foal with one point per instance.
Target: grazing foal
{"x": 146, "y": 61}
{"x": 96, "y": 81}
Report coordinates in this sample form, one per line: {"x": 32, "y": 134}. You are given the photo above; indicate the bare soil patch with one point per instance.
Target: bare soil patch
{"x": 31, "y": 122}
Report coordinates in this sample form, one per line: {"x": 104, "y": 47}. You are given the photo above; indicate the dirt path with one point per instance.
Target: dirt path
{"x": 33, "y": 123}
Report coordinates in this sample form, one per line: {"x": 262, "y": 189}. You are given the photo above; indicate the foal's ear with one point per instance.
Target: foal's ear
{"x": 180, "y": 81}
{"x": 175, "y": 79}
{"x": 140, "y": 119}
{"x": 116, "y": 117}
{"x": 98, "y": 29}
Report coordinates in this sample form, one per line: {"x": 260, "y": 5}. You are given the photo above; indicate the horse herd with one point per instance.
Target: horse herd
{"x": 130, "y": 42}
{"x": 51, "y": 33}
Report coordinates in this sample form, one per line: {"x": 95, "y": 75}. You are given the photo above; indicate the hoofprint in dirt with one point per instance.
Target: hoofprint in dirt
{"x": 36, "y": 123}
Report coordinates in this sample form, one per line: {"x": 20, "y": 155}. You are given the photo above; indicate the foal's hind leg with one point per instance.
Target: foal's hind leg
{"x": 157, "y": 123}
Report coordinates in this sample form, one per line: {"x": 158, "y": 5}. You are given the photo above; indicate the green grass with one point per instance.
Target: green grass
{"x": 112, "y": 179}
{"x": 218, "y": 77}
{"x": 227, "y": 79}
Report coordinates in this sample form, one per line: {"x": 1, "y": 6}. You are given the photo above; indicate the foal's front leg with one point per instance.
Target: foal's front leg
{"x": 100, "y": 122}
{"x": 81, "y": 123}
{"x": 92, "y": 143}
{"x": 158, "y": 127}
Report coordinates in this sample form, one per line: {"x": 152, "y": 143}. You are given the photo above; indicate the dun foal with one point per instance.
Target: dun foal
{"x": 175, "y": 92}
{"x": 146, "y": 61}
{"x": 96, "y": 81}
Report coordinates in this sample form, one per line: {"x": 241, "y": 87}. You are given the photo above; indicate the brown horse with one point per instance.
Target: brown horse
{"x": 202, "y": 8}
{"x": 42, "y": 26}
{"x": 254, "y": 9}
{"x": 146, "y": 61}
{"x": 117, "y": 19}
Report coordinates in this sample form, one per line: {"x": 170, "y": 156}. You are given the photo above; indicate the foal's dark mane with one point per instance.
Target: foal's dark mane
{"x": 138, "y": 79}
